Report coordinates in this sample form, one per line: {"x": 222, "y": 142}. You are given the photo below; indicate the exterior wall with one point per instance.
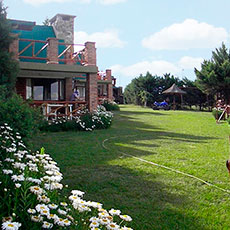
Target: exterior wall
{"x": 91, "y": 91}
{"x": 21, "y": 87}
{"x": 110, "y": 86}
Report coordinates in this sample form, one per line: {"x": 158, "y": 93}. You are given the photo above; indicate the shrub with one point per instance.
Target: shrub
{"x": 85, "y": 121}
{"x": 19, "y": 115}
{"x": 30, "y": 193}
{"x": 110, "y": 105}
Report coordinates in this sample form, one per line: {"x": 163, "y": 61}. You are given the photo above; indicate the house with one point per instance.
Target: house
{"x": 51, "y": 65}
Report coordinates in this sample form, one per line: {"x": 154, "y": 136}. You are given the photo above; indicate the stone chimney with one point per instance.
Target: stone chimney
{"x": 63, "y": 26}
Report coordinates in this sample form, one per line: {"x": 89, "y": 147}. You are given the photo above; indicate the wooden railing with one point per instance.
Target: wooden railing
{"x": 32, "y": 43}
{"x": 55, "y": 109}
{"x": 67, "y": 55}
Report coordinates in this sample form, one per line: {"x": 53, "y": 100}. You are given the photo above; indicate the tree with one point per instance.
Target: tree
{"x": 144, "y": 90}
{"x": 46, "y": 22}
{"x": 8, "y": 66}
{"x": 214, "y": 76}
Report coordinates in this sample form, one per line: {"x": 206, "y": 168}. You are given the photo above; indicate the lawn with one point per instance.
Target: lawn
{"x": 156, "y": 198}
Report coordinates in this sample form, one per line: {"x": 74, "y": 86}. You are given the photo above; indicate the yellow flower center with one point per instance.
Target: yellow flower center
{"x": 10, "y": 225}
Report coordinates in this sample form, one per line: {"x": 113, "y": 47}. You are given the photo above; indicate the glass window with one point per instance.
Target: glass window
{"x": 102, "y": 90}
{"x": 38, "y": 92}
{"x": 54, "y": 90}
{"x": 46, "y": 89}
{"x": 28, "y": 89}
{"x": 80, "y": 86}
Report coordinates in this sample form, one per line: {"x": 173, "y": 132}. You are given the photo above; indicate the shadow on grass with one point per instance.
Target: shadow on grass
{"x": 131, "y": 131}
{"x": 150, "y": 203}
{"x": 84, "y": 163}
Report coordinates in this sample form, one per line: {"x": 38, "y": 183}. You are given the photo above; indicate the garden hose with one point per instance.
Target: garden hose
{"x": 165, "y": 167}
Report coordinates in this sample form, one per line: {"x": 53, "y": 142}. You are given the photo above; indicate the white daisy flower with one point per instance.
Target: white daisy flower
{"x": 114, "y": 212}
{"x": 41, "y": 207}
{"x": 62, "y": 212}
{"x": 52, "y": 206}
{"x": 125, "y": 217}
{"x": 126, "y": 228}
{"x": 17, "y": 185}
{"x": 47, "y": 225}
{"x": 94, "y": 224}
{"x": 64, "y": 204}
{"x": 77, "y": 192}
{"x": 31, "y": 211}
{"x": 18, "y": 178}
{"x": 36, "y": 218}
{"x": 7, "y": 171}
{"x": 52, "y": 216}
{"x": 11, "y": 225}
{"x": 113, "y": 226}
{"x": 36, "y": 190}
{"x": 104, "y": 221}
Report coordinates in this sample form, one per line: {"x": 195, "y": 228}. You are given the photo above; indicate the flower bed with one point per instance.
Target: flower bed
{"x": 84, "y": 121}
{"x": 30, "y": 193}
{"x": 110, "y": 105}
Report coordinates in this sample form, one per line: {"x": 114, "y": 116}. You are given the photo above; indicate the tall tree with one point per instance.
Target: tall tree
{"x": 8, "y": 66}
{"x": 46, "y": 22}
{"x": 214, "y": 76}
{"x": 144, "y": 90}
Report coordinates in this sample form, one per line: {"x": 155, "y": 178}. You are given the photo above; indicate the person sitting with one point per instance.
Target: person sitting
{"x": 75, "y": 95}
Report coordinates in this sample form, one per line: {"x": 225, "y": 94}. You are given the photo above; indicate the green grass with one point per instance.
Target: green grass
{"x": 156, "y": 198}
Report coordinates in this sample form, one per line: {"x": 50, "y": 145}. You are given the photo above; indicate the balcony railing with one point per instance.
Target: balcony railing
{"x": 37, "y": 50}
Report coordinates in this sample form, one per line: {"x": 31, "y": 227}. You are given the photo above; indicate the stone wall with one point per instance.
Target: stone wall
{"x": 63, "y": 26}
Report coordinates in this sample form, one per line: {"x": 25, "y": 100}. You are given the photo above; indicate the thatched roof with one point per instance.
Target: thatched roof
{"x": 174, "y": 90}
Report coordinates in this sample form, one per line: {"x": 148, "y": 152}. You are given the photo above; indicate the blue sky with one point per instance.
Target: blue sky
{"x": 136, "y": 36}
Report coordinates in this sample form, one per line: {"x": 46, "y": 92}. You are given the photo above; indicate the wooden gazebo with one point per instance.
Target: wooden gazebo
{"x": 175, "y": 90}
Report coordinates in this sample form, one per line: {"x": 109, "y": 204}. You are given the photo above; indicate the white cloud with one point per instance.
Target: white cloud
{"x": 186, "y": 35}
{"x": 190, "y": 62}
{"x": 110, "y": 2}
{"x": 155, "y": 68}
{"x": 106, "y": 39}
{"x": 158, "y": 67}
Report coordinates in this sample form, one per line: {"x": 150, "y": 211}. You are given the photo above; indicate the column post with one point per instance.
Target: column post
{"x": 91, "y": 91}
{"x": 52, "y": 51}
{"x": 110, "y": 85}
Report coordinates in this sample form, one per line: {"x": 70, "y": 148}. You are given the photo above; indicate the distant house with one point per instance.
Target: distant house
{"x": 52, "y": 66}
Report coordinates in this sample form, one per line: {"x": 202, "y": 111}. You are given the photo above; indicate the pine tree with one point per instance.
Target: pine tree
{"x": 214, "y": 76}
{"x": 8, "y": 66}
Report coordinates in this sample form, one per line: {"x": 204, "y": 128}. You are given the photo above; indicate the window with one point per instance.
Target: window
{"x": 80, "y": 86}
{"x": 28, "y": 89}
{"x": 102, "y": 90}
{"x": 45, "y": 89}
